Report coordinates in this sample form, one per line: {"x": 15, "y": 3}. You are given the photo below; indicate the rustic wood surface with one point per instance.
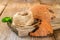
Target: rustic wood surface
{"x": 3, "y": 4}
{"x": 13, "y": 7}
{"x": 57, "y": 22}
{"x": 57, "y": 35}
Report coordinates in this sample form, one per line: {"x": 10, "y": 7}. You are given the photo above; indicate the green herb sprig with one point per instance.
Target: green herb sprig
{"x": 7, "y": 19}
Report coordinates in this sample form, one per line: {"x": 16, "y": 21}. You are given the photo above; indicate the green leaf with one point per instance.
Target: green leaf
{"x": 7, "y": 19}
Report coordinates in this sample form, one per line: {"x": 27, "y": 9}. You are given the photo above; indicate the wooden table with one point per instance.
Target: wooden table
{"x": 9, "y": 8}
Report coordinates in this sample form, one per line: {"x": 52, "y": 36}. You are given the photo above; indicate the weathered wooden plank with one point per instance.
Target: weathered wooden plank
{"x": 56, "y": 21}
{"x": 1, "y": 8}
{"x": 3, "y": 5}
{"x": 57, "y": 34}
{"x": 6, "y": 33}
{"x": 49, "y": 2}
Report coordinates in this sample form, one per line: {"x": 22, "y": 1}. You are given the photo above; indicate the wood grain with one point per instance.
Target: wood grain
{"x": 3, "y": 4}
{"x": 57, "y": 34}
{"x": 56, "y": 22}
{"x": 6, "y": 33}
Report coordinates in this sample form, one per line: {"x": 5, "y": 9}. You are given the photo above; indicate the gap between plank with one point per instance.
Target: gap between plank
{"x": 4, "y": 8}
